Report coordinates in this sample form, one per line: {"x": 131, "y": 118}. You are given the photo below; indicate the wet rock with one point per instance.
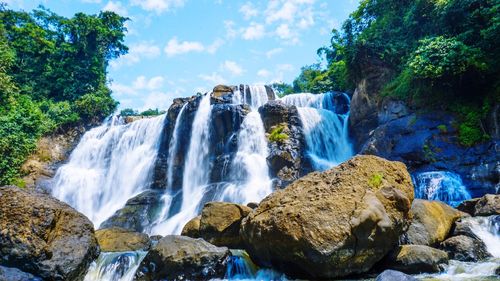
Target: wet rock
{"x": 222, "y": 94}
{"x": 121, "y": 240}
{"x": 332, "y": 224}
{"x": 431, "y": 224}
{"x": 414, "y": 259}
{"x": 192, "y": 228}
{"x": 465, "y": 248}
{"x": 220, "y": 223}
{"x": 467, "y": 206}
{"x": 183, "y": 258}
{"x": 286, "y": 158}
{"x": 393, "y": 275}
{"x": 14, "y": 274}
{"x": 138, "y": 213}
{"x": 488, "y": 205}
{"x": 43, "y": 236}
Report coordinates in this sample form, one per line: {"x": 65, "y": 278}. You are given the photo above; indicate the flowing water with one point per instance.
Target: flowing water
{"x": 326, "y": 132}
{"x": 442, "y": 186}
{"x": 119, "y": 266}
{"x": 111, "y": 164}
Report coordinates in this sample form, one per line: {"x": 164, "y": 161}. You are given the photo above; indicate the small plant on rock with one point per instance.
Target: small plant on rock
{"x": 277, "y": 134}
{"x": 375, "y": 180}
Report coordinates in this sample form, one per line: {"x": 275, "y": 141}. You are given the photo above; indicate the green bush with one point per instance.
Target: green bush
{"x": 95, "y": 106}
{"x": 277, "y": 134}
{"x": 152, "y": 112}
{"x": 375, "y": 181}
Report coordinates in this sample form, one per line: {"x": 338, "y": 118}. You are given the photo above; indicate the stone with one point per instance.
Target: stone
{"x": 415, "y": 259}
{"x": 333, "y": 223}
{"x": 138, "y": 213}
{"x": 14, "y": 274}
{"x": 467, "y": 206}
{"x": 465, "y": 248}
{"x": 220, "y": 223}
{"x": 43, "y": 236}
{"x": 118, "y": 239}
{"x": 488, "y": 205}
{"x": 431, "y": 224}
{"x": 183, "y": 258}
{"x": 192, "y": 228}
{"x": 393, "y": 275}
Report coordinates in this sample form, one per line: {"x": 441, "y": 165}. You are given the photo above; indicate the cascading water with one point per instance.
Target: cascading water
{"x": 250, "y": 180}
{"x": 196, "y": 172}
{"x": 254, "y": 95}
{"x": 119, "y": 266}
{"x": 110, "y": 164}
{"x": 442, "y": 186}
{"x": 326, "y": 131}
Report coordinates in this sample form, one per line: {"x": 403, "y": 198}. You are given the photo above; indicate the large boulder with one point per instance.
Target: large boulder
{"x": 333, "y": 223}
{"x": 220, "y": 223}
{"x": 414, "y": 259}
{"x": 192, "y": 228}
{"x": 138, "y": 213}
{"x": 488, "y": 205}
{"x": 431, "y": 224}
{"x": 118, "y": 239}
{"x": 393, "y": 275}
{"x": 46, "y": 237}
{"x": 465, "y": 248}
{"x": 14, "y": 274}
{"x": 183, "y": 258}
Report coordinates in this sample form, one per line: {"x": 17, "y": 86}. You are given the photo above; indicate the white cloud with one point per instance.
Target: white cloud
{"x": 254, "y": 31}
{"x": 231, "y": 32}
{"x": 142, "y": 83}
{"x": 92, "y": 1}
{"x": 232, "y": 67}
{"x": 272, "y": 52}
{"x": 212, "y": 48}
{"x": 116, "y": 7}
{"x": 158, "y": 6}
{"x": 248, "y": 11}
{"x": 135, "y": 54}
{"x": 213, "y": 78}
{"x": 286, "y": 12}
{"x": 174, "y": 47}
{"x": 264, "y": 73}
{"x": 158, "y": 100}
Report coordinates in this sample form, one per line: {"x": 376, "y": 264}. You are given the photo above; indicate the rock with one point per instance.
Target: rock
{"x": 252, "y": 205}
{"x": 14, "y": 274}
{"x": 414, "y": 259}
{"x": 286, "y": 159}
{"x": 465, "y": 248}
{"x": 183, "y": 258}
{"x": 43, "y": 236}
{"x": 488, "y": 205}
{"x": 393, "y": 275}
{"x": 220, "y": 223}
{"x": 333, "y": 223}
{"x": 431, "y": 224}
{"x": 222, "y": 94}
{"x": 138, "y": 213}
{"x": 121, "y": 240}
{"x": 192, "y": 228}
{"x": 467, "y": 206}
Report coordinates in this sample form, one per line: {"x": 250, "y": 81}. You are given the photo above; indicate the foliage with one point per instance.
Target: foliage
{"x": 282, "y": 89}
{"x": 152, "y": 112}
{"x": 442, "y": 128}
{"x": 375, "y": 181}
{"x": 128, "y": 112}
{"x": 52, "y": 74}
{"x": 277, "y": 134}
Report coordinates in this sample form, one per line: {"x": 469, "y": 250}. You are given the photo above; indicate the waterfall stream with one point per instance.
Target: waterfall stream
{"x": 111, "y": 164}
{"x": 441, "y": 185}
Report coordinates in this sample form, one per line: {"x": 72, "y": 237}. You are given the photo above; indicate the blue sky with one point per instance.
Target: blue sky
{"x": 180, "y": 47}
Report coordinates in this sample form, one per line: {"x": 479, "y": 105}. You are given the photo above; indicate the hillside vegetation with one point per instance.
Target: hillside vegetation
{"x": 52, "y": 75}
{"x": 441, "y": 54}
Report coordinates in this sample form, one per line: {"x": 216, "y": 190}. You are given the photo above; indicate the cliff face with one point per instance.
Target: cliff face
{"x": 424, "y": 139}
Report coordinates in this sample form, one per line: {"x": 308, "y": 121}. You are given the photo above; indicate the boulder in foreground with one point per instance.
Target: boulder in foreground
{"x": 393, "y": 275}
{"x": 333, "y": 223}
{"x": 43, "y": 236}
{"x": 183, "y": 258}
{"x": 118, "y": 239}
{"x": 414, "y": 259}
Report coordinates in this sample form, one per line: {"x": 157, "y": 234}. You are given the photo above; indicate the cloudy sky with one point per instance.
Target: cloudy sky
{"x": 180, "y": 47}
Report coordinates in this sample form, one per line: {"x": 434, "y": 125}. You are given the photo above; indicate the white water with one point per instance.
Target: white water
{"x": 326, "y": 133}
{"x": 119, "y": 266}
{"x": 110, "y": 164}
{"x": 258, "y": 96}
{"x": 250, "y": 173}
{"x": 196, "y": 173}
{"x": 442, "y": 186}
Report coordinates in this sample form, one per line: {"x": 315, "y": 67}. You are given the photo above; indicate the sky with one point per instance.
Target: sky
{"x": 180, "y": 47}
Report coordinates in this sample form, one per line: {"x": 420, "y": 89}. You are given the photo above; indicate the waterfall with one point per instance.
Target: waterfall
{"x": 241, "y": 267}
{"x": 196, "y": 173}
{"x": 257, "y": 96}
{"x": 117, "y": 266}
{"x": 111, "y": 163}
{"x": 488, "y": 230}
{"x": 326, "y": 131}
{"x": 441, "y": 185}
{"x": 249, "y": 170}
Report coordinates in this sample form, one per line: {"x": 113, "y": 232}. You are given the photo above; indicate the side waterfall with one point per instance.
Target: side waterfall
{"x": 111, "y": 163}
{"x": 441, "y": 185}
{"x": 325, "y": 130}
{"x": 119, "y": 266}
